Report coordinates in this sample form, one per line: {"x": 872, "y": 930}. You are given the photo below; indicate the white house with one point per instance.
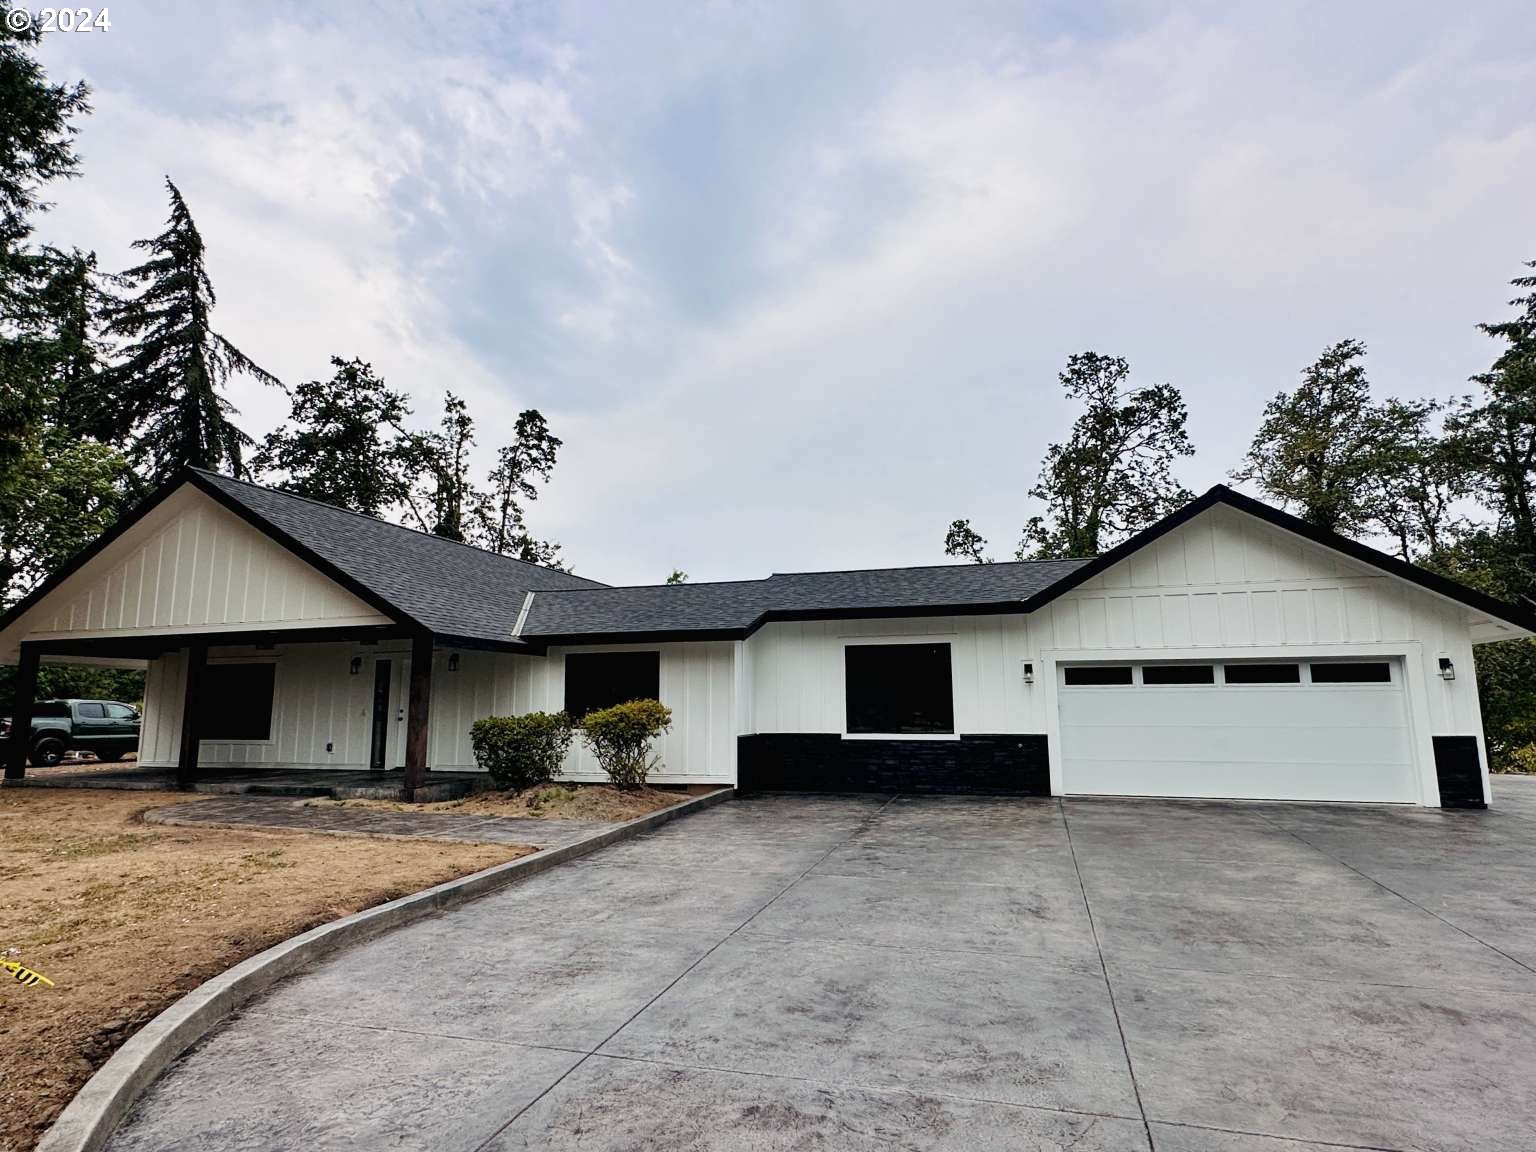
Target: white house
{"x": 1228, "y": 651}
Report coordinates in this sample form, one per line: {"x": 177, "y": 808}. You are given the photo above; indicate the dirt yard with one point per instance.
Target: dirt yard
{"x": 547, "y": 802}
{"x": 125, "y": 916}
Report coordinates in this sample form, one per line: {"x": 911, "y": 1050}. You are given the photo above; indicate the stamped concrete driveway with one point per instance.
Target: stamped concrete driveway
{"x": 862, "y": 973}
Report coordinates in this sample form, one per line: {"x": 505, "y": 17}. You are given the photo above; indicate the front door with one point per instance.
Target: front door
{"x": 378, "y": 748}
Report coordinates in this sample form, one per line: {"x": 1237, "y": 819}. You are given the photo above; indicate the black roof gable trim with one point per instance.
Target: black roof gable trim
{"x": 159, "y": 496}
{"x": 1220, "y": 494}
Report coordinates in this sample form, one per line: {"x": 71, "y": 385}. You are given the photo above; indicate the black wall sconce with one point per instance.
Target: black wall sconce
{"x": 356, "y": 665}
{"x": 1447, "y": 669}
{"x": 1029, "y": 672}
{"x": 453, "y": 661}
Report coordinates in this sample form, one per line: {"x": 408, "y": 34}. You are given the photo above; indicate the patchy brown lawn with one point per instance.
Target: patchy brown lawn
{"x": 546, "y": 802}
{"x": 125, "y": 917}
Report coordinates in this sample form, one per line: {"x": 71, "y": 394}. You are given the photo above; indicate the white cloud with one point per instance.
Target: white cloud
{"x": 928, "y": 218}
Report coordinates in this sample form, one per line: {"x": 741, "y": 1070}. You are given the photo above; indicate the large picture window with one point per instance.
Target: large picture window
{"x": 899, "y": 689}
{"x": 236, "y": 702}
{"x": 596, "y": 680}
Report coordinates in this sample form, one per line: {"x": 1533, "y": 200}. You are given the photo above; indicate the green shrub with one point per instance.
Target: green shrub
{"x": 521, "y": 751}
{"x": 1521, "y": 759}
{"x": 620, "y": 737}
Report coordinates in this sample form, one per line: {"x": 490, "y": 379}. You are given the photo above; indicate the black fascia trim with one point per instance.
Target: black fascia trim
{"x": 993, "y": 608}
{"x": 144, "y": 507}
{"x": 1221, "y": 494}
{"x": 148, "y": 645}
{"x": 678, "y": 635}
{"x": 484, "y": 644}
{"x": 299, "y": 549}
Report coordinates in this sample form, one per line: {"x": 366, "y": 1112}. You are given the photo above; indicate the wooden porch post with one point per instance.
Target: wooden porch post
{"x": 416, "y": 721}
{"x": 21, "y": 714}
{"x": 186, "y": 760}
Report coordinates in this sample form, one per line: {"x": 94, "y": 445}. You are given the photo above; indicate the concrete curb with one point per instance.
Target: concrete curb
{"x": 91, "y": 1117}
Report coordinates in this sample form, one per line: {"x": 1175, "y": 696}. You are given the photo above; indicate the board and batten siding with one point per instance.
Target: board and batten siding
{"x": 192, "y": 565}
{"x": 1228, "y": 582}
{"x": 318, "y": 702}
{"x": 797, "y": 672}
{"x": 1223, "y": 584}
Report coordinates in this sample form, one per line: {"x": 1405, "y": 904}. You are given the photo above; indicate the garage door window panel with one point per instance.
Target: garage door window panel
{"x": 1159, "y": 674}
{"x": 1352, "y": 672}
{"x": 1262, "y": 673}
{"x": 899, "y": 690}
{"x": 1097, "y": 675}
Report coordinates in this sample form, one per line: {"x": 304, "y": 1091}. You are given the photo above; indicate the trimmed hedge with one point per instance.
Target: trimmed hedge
{"x": 521, "y": 751}
{"x": 620, "y": 738}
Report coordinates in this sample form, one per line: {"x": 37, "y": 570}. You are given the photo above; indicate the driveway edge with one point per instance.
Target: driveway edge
{"x": 90, "y": 1118}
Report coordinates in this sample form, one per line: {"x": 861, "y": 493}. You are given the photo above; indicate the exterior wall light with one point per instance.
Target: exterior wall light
{"x": 357, "y": 665}
{"x": 1447, "y": 669}
{"x": 1029, "y": 672}
{"x": 453, "y": 662}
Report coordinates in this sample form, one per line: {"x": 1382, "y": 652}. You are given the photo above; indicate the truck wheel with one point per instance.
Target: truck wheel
{"x": 47, "y": 752}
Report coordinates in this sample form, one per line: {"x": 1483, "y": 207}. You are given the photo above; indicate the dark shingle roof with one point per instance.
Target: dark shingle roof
{"x": 742, "y": 605}
{"x": 450, "y": 588}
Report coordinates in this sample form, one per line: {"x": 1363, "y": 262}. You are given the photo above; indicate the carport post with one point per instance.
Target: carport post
{"x": 420, "y": 710}
{"x": 186, "y": 760}
{"x": 21, "y": 714}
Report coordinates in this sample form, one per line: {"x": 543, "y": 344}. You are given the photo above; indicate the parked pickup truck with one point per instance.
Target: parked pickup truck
{"x": 108, "y": 728}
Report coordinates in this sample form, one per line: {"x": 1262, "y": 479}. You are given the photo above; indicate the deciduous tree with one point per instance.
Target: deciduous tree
{"x": 342, "y": 443}
{"x": 1114, "y": 474}
{"x": 1318, "y": 447}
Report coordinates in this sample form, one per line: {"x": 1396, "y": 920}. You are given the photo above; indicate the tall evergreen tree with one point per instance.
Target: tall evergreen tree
{"x": 36, "y": 137}
{"x": 36, "y": 147}
{"x": 1319, "y": 446}
{"x": 1111, "y": 478}
{"x": 442, "y": 495}
{"x": 1114, "y": 474}
{"x": 964, "y": 541}
{"x": 520, "y": 467}
{"x": 342, "y": 441}
{"x": 174, "y": 367}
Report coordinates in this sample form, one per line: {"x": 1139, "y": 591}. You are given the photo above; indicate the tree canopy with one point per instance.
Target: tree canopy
{"x": 173, "y": 367}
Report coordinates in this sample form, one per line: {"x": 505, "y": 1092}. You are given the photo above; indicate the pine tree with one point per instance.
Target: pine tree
{"x": 170, "y": 378}
{"x": 36, "y": 147}
{"x": 36, "y": 138}
{"x": 502, "y": 511}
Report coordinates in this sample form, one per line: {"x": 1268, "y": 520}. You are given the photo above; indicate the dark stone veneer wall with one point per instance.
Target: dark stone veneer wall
{"x": 1016, "y": 764}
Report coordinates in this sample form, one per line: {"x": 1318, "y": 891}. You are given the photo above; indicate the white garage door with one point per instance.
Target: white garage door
{"x": 1272, "y": 730}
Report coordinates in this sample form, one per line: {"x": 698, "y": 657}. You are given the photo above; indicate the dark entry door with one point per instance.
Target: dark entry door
{"x": 378, "y": 749}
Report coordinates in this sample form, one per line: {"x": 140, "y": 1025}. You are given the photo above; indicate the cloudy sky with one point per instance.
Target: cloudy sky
{"x": 794, "y": 282}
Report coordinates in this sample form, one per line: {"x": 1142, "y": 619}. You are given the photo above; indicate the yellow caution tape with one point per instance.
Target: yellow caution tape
{"x": 24, "y": 974}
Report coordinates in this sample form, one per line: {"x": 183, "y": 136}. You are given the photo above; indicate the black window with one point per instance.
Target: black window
{"x": 51, "y": 708}
{"x": 236, "y": 702}
{"x": 1374, "y": 672}
{"x": 899, "y": 688}
{"x": 1095, "y": 674}
{"x": 596, "y": 680}
{"x": 1178, "y": 674}
{"x": 1262, "y": 673}
{"x": 91, "y": 711}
